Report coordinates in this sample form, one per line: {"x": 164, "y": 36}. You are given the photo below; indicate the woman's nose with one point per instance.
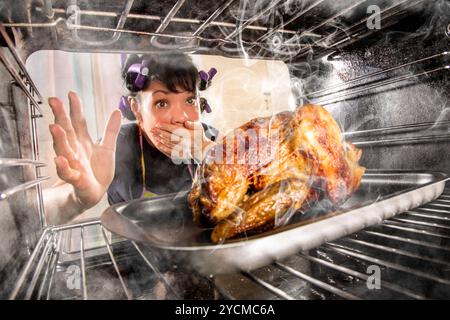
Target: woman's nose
{"x": 179, "y": 115}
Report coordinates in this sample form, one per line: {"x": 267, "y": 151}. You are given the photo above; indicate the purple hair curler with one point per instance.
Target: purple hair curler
{"x": 205, "y": 82}
{"x": 203, "y": 75}
{"x": 212, "y": 72}
{"x": 142, "y": 70}
{"x": 205, "y": 78}
{"x": 204, "y": 106}
{"x": 207, "y": 108}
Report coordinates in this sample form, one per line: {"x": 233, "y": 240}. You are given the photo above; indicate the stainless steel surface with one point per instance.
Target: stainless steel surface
{"x": 349, "y": 35}
{"x": 395, "y": 80}
{"x": 398, "y": 129}
{"x": 346, "y": 84}
{"x": 165, "y": 223}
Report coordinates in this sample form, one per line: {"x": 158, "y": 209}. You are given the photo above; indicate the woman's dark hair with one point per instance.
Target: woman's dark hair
{"x": 172, "y": 69}
{"x": 175, "y": 70}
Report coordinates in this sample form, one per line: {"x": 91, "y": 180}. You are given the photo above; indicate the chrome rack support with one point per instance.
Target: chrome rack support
{"x": 155, "y": 270}
{"x": 140, "y": 33}
{"x": 115, "y": 37}
{"x": 353, "y": 253}
{"x": 23, "y": 275}
{"x": 19, "y": 62}
{"x": 10, "y": 191}
{"x": 40, "y": 264}
{"x": 167, "y": 19}
{"x": 116, "y": 268}
{"x": 17, "y": 78}
{"x": 316, "y": 282}
{"x": 285, "y": 23}
{"x": 268, "y": 286}
{"x": 213, "y": 16}
{"x": 362, "y": 276}
{"x": 11, "y": 162}
{"x": 144, "y": 17}
{"x": 51, "y": 269}
{"x": 83, "y": 266}
{"x": 252, "y": 19}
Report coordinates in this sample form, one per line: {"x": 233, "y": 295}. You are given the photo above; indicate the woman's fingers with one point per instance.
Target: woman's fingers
{"x": 171, "y": 128}
{"x": 172, "y": 141}
{"x": 166, "y": 126}
{"x": 65, "y": 172}
{"x": 61, "y": 144}
{"x": 173, "y": 150}
{"x": 111, "y": 131}
{"x": 78, "y": 120}
{"x": 190, "y": 125}
{"x": 193, "y": 125}
{"x": 168, "y": 136}
{"x": 63, "y": 120}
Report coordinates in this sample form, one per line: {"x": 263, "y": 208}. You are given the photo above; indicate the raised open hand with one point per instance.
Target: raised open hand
{"x": 87, "y": 166}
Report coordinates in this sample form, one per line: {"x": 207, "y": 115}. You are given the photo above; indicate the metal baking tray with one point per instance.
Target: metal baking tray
{"x": 164, "y": 224}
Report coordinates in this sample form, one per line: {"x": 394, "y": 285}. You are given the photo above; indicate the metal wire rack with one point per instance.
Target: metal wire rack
{"x": 414, "y": 245}
{"x": 271, "y": 40}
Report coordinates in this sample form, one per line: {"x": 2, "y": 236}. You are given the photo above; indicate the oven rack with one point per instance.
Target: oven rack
{"x": 23, "y": 80}
{"x": 412, "y": 251}
{"x": 268, "y": 44}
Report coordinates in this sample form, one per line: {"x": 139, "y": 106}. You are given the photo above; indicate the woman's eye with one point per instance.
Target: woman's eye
{"x": 191, "y": 101}
{"x": 161, "y": 104}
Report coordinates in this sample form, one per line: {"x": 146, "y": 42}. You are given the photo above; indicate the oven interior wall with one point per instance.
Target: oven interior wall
{"x": 411, "y": 116}
{"x": 20, "y": 224}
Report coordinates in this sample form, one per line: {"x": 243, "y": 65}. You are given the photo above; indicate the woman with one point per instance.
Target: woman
{"x": 154, "y": 155}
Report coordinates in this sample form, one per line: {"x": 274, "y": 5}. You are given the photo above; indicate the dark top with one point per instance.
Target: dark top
{"x": 162, "y": 175}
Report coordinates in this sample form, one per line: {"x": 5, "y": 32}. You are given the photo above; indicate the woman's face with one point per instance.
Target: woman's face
{"x": 159, "y": 105}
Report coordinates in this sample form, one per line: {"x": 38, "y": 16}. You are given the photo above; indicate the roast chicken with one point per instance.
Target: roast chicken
{"x": 271, "y": 168}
